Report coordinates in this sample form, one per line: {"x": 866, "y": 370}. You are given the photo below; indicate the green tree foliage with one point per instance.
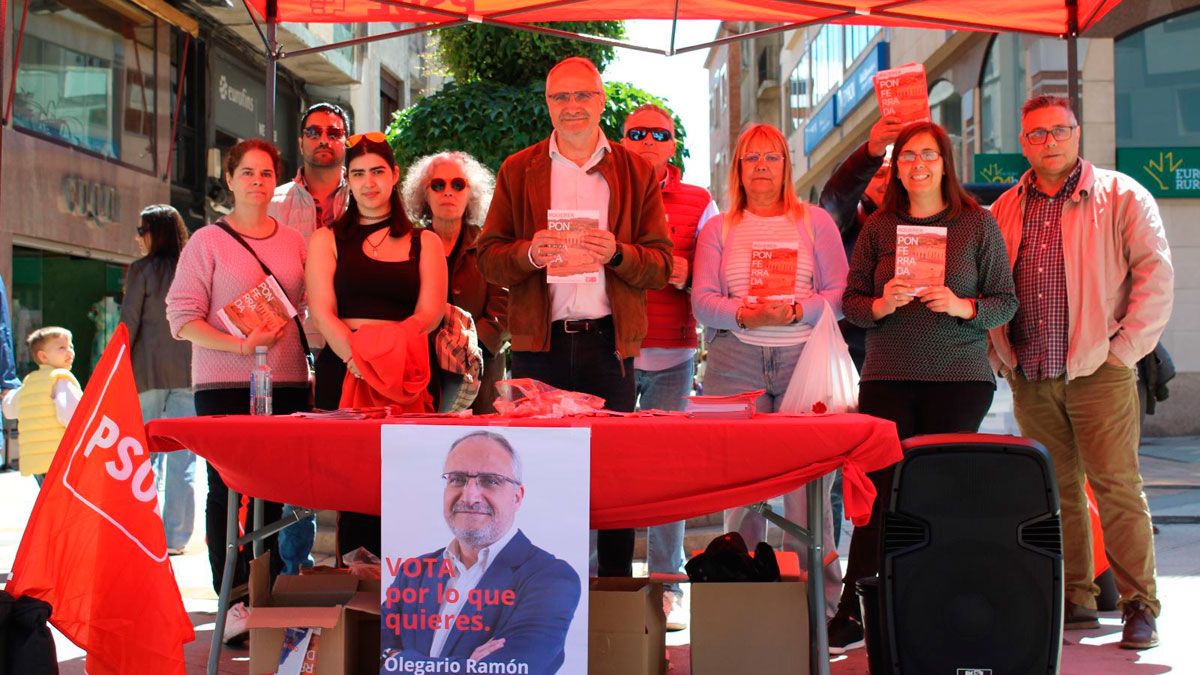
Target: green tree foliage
{"x": 491, "y": 120}
{"x": 481, "y": 52}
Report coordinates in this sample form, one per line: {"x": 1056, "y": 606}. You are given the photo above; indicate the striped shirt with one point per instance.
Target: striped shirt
{"x": 775, "y": 231}
{"x": 1039, "y": 330}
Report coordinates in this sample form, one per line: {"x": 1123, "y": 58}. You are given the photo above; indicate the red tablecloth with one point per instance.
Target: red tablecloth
{"x": 646, "y": 470}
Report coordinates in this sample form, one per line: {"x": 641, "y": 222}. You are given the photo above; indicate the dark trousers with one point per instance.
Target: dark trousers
{"x": 587, "y": 362}
{"x": 916, "y": 408}
{"x": 237, "y": 402}
{"x": 353, "y": 529}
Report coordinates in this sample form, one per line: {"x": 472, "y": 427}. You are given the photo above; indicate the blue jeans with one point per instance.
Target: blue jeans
{"x": 665, "y": 389}
{"x": 296, "y": 542}
{"x": 175, "y": 472}
{"x": 734, "y": 367}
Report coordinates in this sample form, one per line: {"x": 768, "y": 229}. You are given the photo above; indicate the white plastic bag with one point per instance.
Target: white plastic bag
{"x": 825, "y": 379}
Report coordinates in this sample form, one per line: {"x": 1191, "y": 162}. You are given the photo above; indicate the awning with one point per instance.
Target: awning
{"x": 1042, "y": 17}
{"x": 165, "y": 12}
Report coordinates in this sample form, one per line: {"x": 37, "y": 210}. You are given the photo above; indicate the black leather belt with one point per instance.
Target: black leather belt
{"x": 582, "y": 325}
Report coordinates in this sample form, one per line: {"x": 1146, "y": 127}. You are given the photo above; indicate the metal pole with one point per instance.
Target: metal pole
{"x": 819, "y": 651}
{"x": 231, "y": 555}
{"x": 1073, "y": 58}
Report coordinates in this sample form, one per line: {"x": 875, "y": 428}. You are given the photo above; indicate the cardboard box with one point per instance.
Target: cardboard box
{"x": 750, "y": 628}
{"x": 345, "y": 608}
{"x": 626, "y": 627}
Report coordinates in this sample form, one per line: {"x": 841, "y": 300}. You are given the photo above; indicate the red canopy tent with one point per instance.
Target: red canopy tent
{"x": 1058, "y": 18}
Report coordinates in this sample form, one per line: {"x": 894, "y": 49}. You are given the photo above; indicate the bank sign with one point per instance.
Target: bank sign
{"x": 1000, "y": 167}
{"x": 1165, "y": 172}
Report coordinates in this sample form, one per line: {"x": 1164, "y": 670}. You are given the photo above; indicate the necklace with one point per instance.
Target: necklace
{"x": 375, "y": 246}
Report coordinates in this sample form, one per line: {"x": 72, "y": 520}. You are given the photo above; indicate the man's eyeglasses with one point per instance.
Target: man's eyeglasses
{"x": 770, "y": 157}
{"x": 486, "y": 481}
{"x": 373, "y": 136}
{"x": 1039, "y": 136}
{"x": 908, "y": 156}
{"x": 439, "y": 184}
{"x": 564, "y": 97}
{"x": 314, "y": 132}
{"x": 639, "y": 133}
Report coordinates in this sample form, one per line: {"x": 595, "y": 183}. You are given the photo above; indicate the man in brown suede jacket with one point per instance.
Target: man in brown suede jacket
{"x": 578, "y": 336}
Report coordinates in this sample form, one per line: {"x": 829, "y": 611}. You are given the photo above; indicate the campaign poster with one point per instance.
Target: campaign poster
{"x": 485, "y": 549}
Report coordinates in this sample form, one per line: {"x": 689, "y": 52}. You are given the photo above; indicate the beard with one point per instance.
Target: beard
{"x": 476, "y": 537}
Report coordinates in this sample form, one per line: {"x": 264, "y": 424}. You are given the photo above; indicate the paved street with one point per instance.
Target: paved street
{"x": 1171, "y": 467}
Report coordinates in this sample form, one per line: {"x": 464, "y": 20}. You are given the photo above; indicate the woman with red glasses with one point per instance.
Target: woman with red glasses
{"x": 450, "y": 192}
{"x": 376, "y": 288}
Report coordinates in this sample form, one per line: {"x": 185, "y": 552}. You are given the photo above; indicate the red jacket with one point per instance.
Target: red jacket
{"x": 668, "y": 309}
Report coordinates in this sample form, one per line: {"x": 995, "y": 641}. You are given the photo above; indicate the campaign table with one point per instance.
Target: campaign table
{"x": 646, "y": 469}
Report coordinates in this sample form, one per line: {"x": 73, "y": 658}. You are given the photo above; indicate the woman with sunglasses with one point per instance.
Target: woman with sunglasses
{"x": 754, "y": 342}
{"x": 162, "y": 365}
{"x": 450, "y": 192}
{"x": 926, "y": 367}
{"x": 219, "y": 264}
{"x": 371, "y": 268}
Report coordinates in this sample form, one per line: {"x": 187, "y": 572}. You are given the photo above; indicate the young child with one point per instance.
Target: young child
{"x": 46, "y": 399}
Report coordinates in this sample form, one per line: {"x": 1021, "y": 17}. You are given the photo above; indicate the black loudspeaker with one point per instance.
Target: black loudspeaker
{"x": 971, "y": 575}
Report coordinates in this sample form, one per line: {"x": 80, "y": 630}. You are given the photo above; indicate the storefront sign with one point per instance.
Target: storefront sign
{"x": 239, "y": 99}
{"x": 858, "y": 85}
{"x": 1165, "y": 172}
{"x": 1000, "y": 167}
{"x": 97, "y": 202}
{"x": 820, "y": 124}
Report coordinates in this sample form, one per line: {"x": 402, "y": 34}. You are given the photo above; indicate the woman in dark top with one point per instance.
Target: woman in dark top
{"x": 370, "y": 267}
{"x": 449, "y": 192}
{"x": 162, "y": 365}
{"x": 926, "y": 367}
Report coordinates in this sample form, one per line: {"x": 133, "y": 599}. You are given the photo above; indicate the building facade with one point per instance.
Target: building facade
{"x": 1140, "y": 96}
{"x": 90, "y": 135}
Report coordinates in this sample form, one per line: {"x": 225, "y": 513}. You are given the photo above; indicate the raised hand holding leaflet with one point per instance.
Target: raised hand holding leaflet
{"x": 902, "y": 93}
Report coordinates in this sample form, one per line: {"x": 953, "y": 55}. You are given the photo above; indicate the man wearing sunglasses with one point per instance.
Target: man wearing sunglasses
{"x": 579, "y": 337}
{"x": 1095, "y": 284}
{"x": 314, "y": 199}
{"x": 666, "y": 367}
{"x": 483, "y": 492}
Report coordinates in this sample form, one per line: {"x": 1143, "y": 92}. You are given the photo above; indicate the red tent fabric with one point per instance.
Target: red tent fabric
{"x": 1047, "y": 17}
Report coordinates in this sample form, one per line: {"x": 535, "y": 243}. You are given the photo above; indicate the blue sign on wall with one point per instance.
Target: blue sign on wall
{"x": 820, "y": 124}
{"x": 859, "y": 85}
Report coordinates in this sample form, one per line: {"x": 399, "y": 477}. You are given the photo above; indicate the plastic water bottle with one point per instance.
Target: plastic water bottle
{"x": 260, "y": 383}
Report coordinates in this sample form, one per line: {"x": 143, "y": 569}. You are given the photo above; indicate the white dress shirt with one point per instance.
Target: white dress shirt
{"x": 572, "y": 187}
{"x": 464, "y": 580}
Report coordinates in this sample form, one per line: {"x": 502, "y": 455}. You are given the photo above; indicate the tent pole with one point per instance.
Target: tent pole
{"x": 1073, "y": 57}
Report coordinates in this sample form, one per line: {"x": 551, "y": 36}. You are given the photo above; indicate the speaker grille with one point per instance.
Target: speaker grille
{"x": 1043, "y": 534}
{"x": 901, "y": 532}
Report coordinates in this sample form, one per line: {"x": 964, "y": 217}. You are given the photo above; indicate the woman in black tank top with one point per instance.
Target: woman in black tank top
{"x": 371, "y": 266}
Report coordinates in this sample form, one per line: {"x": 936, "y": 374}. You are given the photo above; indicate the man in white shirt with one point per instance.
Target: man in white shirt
{"x": 578, "y": 336}
{"x": 528, "y": 596}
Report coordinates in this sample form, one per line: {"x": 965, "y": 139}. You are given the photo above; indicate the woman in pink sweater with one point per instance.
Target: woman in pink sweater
{"x": 216, "y": 267}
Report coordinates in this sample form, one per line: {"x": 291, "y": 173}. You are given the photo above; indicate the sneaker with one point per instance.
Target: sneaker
{"x": 1139, "y": 631}
{"x": 845, "y": 633}
{"x": 1078, "y": 617}
{"x": 176, "y": 550}
{"x": 236, "y": 632}
{"x": 674, "y": 612}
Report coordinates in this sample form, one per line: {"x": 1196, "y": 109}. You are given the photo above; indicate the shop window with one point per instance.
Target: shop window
{"x": 86, "y": 78}
{"x": 945, "y": 108}
{"x": 826, "y": 54}
{"x": 390, "y": 91}
{"x": 857, "y": 39}
{"x": 798, "y": 99}
{"x": 1158, "y": 84}
{"x": 1002, "y": 90}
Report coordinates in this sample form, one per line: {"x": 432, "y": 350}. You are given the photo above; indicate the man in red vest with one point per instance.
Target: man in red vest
{"x": 666, "y": 366}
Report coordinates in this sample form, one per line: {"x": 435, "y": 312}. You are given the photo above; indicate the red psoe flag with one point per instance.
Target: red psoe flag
{"x": 94, "y": 547}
